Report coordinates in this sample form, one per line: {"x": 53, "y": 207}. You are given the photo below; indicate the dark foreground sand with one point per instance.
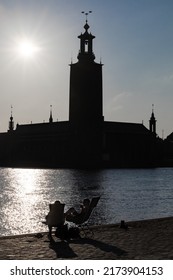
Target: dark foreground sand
{"x": 148, "y": 239}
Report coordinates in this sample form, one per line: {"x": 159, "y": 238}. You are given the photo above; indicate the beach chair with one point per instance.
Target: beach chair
{"x": 81, "y": 219}
{"x": 55, "y": 217}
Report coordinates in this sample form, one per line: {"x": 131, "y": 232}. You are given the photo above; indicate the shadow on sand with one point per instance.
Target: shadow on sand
{"x": 63, "y": 249}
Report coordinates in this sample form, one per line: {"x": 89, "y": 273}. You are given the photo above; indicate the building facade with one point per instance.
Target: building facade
{"x": 86, "y": 140}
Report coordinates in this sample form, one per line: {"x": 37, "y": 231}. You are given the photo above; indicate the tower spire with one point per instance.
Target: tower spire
{"x": 152, "y": 108}
{"x": 152, "y": 121}
{"x": 50, "y": 118}
{"x": 11, "y": 122}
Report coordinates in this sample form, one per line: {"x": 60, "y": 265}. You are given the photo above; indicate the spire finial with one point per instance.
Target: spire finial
{"x": 86, "y": 14}
{"x": 50, "y": 118}
{"x": 11, "y": 118}
{"x": 86, "y": 26}
{"x": 152, "y": 108}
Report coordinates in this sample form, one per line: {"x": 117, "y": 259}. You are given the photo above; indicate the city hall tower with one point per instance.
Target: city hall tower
{"x": 86, "y": 106}
{"x": 85, "y": 103}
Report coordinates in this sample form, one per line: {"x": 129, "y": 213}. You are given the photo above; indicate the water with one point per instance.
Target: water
{"x": 130, "y": 194}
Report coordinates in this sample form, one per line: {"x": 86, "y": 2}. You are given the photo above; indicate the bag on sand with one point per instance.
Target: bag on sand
{"x": 64, "y": 233}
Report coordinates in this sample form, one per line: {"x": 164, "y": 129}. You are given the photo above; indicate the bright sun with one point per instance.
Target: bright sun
{"x": 27, "y": 49}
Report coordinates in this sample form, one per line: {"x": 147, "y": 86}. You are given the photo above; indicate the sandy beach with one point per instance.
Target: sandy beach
{"x": 146, "y": 239}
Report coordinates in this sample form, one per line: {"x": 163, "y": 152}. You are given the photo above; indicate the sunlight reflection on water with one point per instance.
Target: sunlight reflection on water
{"x": 125, "y": 194}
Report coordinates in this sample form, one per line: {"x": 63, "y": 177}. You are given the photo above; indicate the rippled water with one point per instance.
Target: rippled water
{"x": 130, "y": 194}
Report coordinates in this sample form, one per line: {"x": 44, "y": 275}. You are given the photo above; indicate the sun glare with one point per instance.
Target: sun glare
{"x": 27, "y": 49}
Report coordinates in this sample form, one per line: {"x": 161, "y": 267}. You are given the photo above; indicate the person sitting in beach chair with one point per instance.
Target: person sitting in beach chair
{"x": 79, "y": 218}
{"x": 72, "y": 214}
{"x": 55, "y": 217}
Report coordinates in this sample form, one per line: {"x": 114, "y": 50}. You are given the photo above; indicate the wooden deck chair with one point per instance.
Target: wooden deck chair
{"x": 55, "y": 217}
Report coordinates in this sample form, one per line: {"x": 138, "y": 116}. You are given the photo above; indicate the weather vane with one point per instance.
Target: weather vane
{"x": 86, "y": 14}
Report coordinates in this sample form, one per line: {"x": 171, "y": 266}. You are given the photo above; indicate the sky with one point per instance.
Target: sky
{"x": 134, "y": 41}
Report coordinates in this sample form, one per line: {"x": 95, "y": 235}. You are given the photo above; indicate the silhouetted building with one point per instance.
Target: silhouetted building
{"x": 86, "y": 140}
{"x": 168, "y": 151}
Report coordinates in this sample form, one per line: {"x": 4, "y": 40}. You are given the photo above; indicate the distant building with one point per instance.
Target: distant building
{"x": 86, "y": 140}
{"x": 168, "y": 151}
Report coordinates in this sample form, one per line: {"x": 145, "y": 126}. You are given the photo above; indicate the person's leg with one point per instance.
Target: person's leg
{"x": 50, "y": 232}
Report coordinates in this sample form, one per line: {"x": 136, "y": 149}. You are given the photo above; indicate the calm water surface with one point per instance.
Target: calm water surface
{"x": 130, "y": 194}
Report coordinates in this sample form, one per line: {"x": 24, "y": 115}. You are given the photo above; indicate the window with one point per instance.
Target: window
{"x": 86, "y": 46}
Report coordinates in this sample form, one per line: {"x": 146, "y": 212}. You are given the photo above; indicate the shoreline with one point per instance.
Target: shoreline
{"x": 131, "y": 222}
{"x": 144, "y": 239}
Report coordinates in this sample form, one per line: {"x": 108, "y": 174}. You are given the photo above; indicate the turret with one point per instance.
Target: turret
{"x": 152, "y": 121}
{"x": 86, "y": 45}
